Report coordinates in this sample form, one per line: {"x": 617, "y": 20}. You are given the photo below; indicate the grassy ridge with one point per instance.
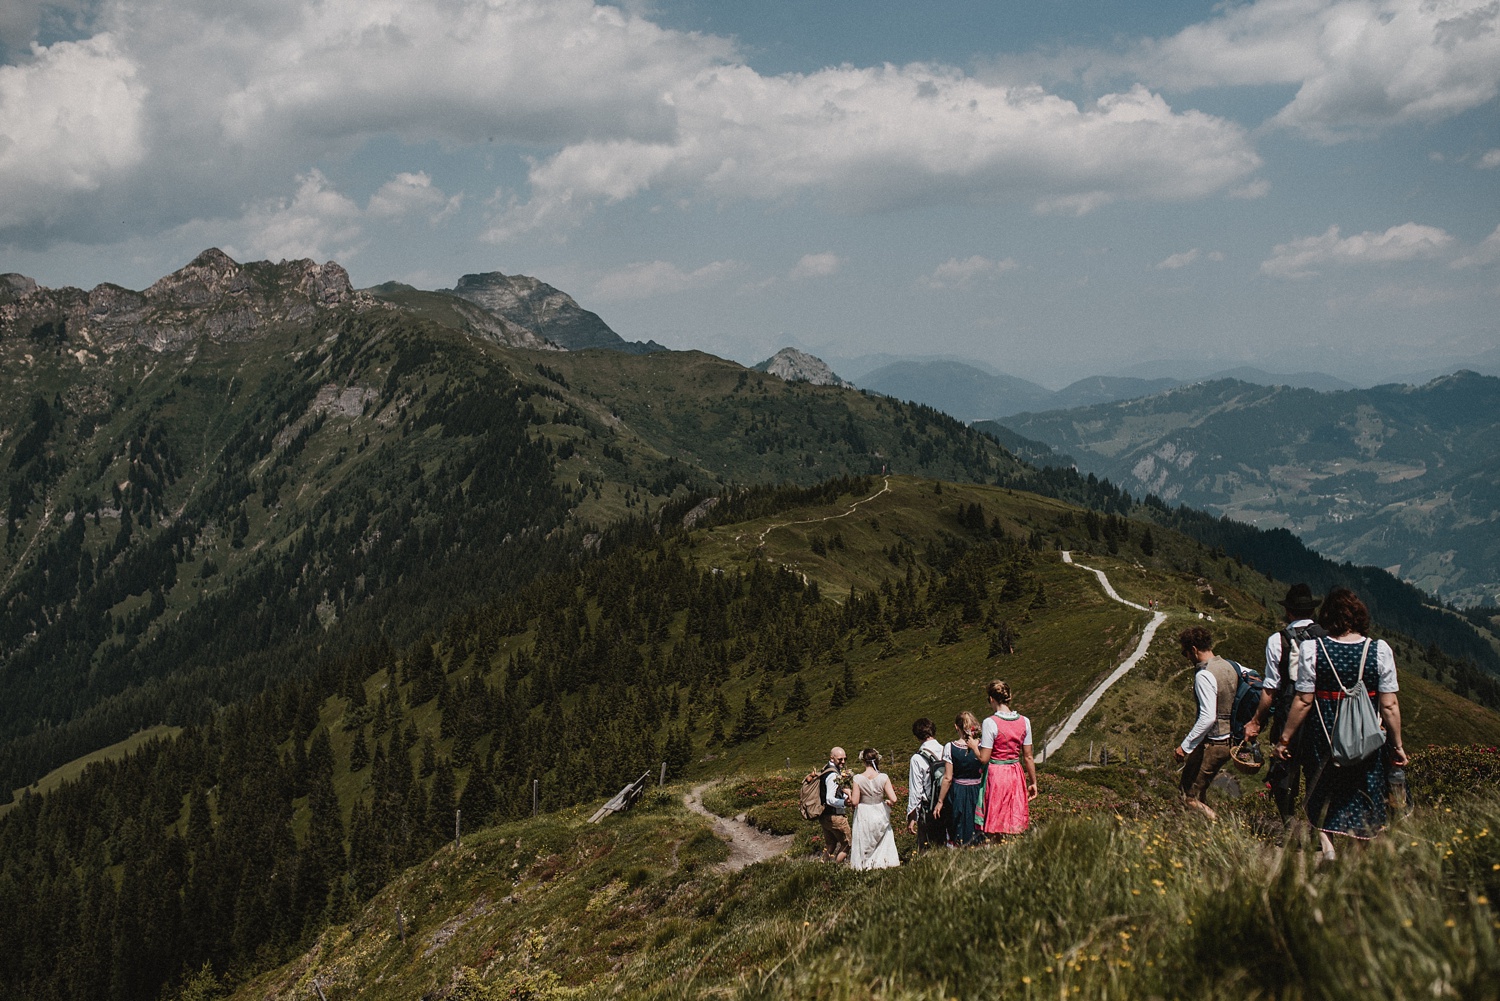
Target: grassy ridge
{"x": 1096, "y": 902}
{"x": 1114, "y": 893}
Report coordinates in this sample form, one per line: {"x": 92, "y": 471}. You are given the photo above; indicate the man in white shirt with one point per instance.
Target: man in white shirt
{"x": 1284, "y": 666}
{"x": 1206, "y": 747}
{"x": 930, "y": 830}
{"x": 833, "y": 821}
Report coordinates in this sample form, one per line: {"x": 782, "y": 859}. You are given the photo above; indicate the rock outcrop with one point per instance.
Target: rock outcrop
{"x": 213, "y": 296}
{"x": 799, "y": 366}
{"x": 449, "y": 310}
{"x": 545, "y": 311}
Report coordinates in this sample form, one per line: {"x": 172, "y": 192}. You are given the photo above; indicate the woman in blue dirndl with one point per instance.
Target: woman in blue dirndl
{"x": 1347, "y": 800}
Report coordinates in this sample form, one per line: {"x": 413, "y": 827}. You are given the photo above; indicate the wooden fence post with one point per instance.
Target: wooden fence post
{"x": 536, "y": 787}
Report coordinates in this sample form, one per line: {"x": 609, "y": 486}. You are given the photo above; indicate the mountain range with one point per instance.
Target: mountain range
{"x": 971, "y": 393}
{"x": 261, "y": 449}
{"x": 1403, "y": 477}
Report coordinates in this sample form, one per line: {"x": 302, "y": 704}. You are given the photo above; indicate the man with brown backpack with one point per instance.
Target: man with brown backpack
{"x": 822, "y": 799}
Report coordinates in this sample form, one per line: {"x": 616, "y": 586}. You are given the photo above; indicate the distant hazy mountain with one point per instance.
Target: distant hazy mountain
{"x": 1107, "y": 389}
{"x": 799, "y": 366}
{"x": 1402, "y": 477}
{"x": 961, "y": 390}
{"x": 1196, "y": 370}
{"x": 970, "y": 392}
{"x": 855, "y": 366}
{"x": 1321, "y": 381}
{"x": 1485, "y": 363}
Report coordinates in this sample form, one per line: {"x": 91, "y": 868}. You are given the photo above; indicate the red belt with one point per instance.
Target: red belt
{"x": 1335, "y": 696}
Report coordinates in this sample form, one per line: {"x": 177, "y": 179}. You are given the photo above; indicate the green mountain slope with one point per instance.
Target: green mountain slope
{"x": 782, "y": 622}
{"x": 1396, "y": 476}
{"x": 379, "y": 564}
{"x": 210, "y": 481}
{"x": 629, "y": 905}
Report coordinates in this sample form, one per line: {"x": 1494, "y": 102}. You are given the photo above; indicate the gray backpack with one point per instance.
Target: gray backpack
{"x": 1356, "y": 736}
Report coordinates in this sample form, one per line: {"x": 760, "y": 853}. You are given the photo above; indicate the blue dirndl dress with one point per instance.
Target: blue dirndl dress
{"x": 1350, "y": 799}
{"x": 963, "y": 796}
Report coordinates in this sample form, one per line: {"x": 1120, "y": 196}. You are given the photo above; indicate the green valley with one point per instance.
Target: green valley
{"x": 1401, "y": 477}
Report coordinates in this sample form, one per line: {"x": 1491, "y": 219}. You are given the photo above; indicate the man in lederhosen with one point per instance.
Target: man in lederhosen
{"x": 1283, "y": 667}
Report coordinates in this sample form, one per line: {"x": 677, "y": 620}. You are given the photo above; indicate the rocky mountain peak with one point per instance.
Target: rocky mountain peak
{"x": 212, "y": 296}
{"x": 545, "y": 311}
{"x": 14, "y": 286}
{"x": 799, "y": 366}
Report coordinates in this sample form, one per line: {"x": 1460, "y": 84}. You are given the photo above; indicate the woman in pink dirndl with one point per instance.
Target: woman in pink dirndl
{"x": 1004, "y": 746}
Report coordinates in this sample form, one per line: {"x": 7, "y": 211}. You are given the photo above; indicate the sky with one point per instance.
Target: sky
{"x": 1053, "y": 189}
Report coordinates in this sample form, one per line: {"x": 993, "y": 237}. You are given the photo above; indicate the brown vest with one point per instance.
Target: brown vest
{"x": 1228, "y": 680}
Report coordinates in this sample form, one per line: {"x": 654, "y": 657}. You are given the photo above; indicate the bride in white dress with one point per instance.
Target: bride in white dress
{"x": 872, "y": 796}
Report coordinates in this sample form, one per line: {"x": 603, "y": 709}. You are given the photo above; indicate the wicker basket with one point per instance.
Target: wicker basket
{"x": 1247, "y": 757}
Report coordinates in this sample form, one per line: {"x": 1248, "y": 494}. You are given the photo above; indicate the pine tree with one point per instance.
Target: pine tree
{"x": 950, "y": 634}
{"x": 478, "y": 799}
{"x": 1002, "y": 640}
{"x": 321, "y": 863}
{"x": 359, "y": 752}
{"x": 752, "y": 722}
{"x": 679, "y": 753}
{"x": 798, "y": 701}
{"x": 440, "y": 803}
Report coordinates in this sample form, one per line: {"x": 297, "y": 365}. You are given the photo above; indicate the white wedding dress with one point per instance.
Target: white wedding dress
{"x": 872, "y": 842}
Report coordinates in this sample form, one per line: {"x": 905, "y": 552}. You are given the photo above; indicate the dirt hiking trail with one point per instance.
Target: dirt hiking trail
{"x": 747, "y": 845}
{"x": 1061, "y": 735}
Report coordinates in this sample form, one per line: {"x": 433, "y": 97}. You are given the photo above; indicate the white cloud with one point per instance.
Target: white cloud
{"x": 175, "y": 111}
{"x": 1486, "y": 253}
{"x": 1357, "y": 64}
{"x": 958, "y": 274}
{"x": 71, "y": 120}
{"x": 1490, "y": 160}
{"x": 413, "y": 193}
{"x": 22, "y": 20}
{"x": 317, "y": 222}
{"x": 1181, "y": 260}
{"x": 816, "y": 266}
{"x": 647, "y": 279}
{"x": 1258, "y": 188}
{"x": 866, "y": 140}
{"x": 1302, "y": 257}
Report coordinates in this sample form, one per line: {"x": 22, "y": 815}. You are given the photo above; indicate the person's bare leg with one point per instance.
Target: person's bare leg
{"x": 1327, "y": 845}
{"x": 1203, "y": 808}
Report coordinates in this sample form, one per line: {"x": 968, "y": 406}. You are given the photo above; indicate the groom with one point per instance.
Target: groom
{"x": 835, "y": 825}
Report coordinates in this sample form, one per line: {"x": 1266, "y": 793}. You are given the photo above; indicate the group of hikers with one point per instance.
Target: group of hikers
{"x": 977, "y": 786}
{"x": 1328, "y": 693}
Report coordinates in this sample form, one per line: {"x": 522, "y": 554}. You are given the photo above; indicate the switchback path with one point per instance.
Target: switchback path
{"x": 831, "y": 517}
{"x": 1072, "y": 722}
{"x": 747, "y": 845}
